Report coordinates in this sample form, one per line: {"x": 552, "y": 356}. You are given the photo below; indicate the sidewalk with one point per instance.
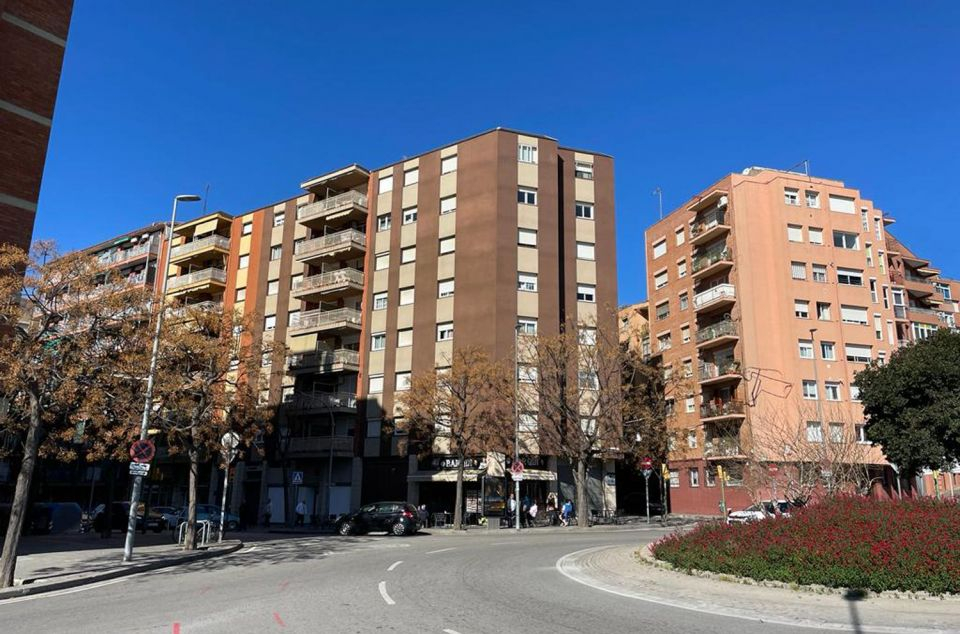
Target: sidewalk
{"x": 618, "y": 570}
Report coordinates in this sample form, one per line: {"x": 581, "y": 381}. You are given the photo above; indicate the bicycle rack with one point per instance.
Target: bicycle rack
{"x": 203, "y": 528}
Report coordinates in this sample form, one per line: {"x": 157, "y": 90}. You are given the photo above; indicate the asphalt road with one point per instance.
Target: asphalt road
{"x": 452, "y": 584}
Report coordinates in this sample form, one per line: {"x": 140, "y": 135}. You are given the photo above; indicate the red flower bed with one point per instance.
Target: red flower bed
{"x": 844, "y": 542}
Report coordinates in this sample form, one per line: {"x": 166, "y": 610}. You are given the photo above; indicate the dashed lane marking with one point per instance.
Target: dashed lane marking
{"x": 394, "y": 565}
{"x": 451, "y": 632}
{"x": 382, "y": 586}
{"x": 442, "y": 550}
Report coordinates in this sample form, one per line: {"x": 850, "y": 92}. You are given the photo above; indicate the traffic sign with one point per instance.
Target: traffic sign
{"x": 296, "y": 477}
{"x": 142, "y": 451}
{"x": 773, "y": 469}
{"x": 139, "y": 468}
{"x": 516, "y": 469}
{"x": 646, "y": 464}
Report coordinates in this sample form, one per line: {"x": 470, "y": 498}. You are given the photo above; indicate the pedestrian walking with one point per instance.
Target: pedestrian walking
{"x": 511, "y": 508}
{"x": 424, "y": 516}
{"x": 301, "y": 511}
{"x": 534, "y": 509}
{"x": 566, "y": 513}
{"x": 266, "y": 514}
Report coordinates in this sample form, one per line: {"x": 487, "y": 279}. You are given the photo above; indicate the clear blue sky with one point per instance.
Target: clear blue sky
{"x": 251, "y": 97}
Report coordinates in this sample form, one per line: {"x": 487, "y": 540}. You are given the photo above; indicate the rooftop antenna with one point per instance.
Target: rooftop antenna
{"x": 659, "y": 194}
{"x": 206, "y": 197}
{"x": 806, "y": 167}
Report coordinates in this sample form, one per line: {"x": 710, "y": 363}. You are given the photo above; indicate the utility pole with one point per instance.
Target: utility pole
{"x": 659, "y": 194}
{"x": 516, "y": 423}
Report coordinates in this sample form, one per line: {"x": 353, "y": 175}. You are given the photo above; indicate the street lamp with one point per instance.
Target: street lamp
{"x": 148, "y": 399}
{"x": 516, "y": 423}
{"x": 228, "y": 448}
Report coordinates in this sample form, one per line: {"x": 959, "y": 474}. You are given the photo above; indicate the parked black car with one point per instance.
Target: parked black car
{"x": 398, "y": 518}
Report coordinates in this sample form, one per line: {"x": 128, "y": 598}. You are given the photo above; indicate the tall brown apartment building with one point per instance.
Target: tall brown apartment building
{"x": 33, "y": 36}
{"x": 371, "y": 276}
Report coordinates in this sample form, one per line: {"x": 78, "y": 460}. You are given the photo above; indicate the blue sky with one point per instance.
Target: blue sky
{"x": 252, "y": 97}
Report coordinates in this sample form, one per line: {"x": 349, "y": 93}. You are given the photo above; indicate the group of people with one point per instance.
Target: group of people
{"x": 556, "y": 514}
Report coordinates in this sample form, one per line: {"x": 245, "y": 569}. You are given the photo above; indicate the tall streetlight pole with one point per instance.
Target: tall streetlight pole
{"x": 516, "y": 423}
{"x": 148, "y": 399}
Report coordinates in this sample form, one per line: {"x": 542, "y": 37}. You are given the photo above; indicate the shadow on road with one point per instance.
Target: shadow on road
{"x": 852, "y": 596}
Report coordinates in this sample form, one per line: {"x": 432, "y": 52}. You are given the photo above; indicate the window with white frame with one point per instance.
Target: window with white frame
{"x": 587, "y": 336}
{"x": 680, "y": 236}
{"x": 448, "y": 205}
{"x": 278, "y": 218}
{"x": 660, "y": 280}
{"x": 584, "y": 210}
{"x": 681, "y": 269}
{"x": 828, "y": 350}
{"x": 823, "y": 311}
{"x": 247, "y": 228}
{"x": 694, "y": 474}
{"x": 445, "y": 288}
{"x": 689, "y": 406}
{"x": 794, "y": 233}
{"x": 378, "y": 341}
{"x": 383, "y": 222}
{"x": 818, "y": 273}
{"x": 664, "y": 342}
{"x": 815, "y": 235}
{"x": 857, "y": 353}
{"x": 944, "y": 290}
{"x": 849, "y": 277}
{"x": 273, "y": 287}
{"x": 853, "y": 314}
{"x": 402, "y": 381}
{"x": 404, "y": 337}
{"x": 527, "y": 237}
{"x": 674, "y": 478}
{"x": 798, "y": 270}
{"x": 293, "y": 318}
{"x": 526, "y": 153}
{"x": 406, "y": 296}
{"x": 270, "y": 322}
{"x": 448, "y": 245}
{"x": 801, "y": 308}
{"x": 791, "y": 196}
{"x": 687, "y": 368}
{"x": 874, "y": 297}
{"x": 448, "y": 164}
{"x": 662, "y": 310}
{"x": 684, "y": 301}
{"x": 846, "y": 240}
{"x": 276, "y": 251}
{"x": 831, "y": 390}
{"x": 445, "y": 331}
{"x": 809, "y": 389}
{"x": 376, "y": 383}
{"x": 528, "y": 422}
{"x": 381, "y": 261}
{"x": 296, "y": 281}
{"x": 527, "y": 373}
{"x": 243, "y": 262}
{"x": 806, "y": 349}
{"x": 860, "y": 430}
{"x": 586, "y": 293}
{"x": 585, "y": 251}
{"x": 659, "y": 248}
{"x": 526, "y": 196}
{"x": 386, "y": 184}
{"x": 408, "y": 255}
{"x": 813, "y": 199}
{"x": 814, "y": 431}
{"x": 583, "y": 169}
{"x": 527, "y": 282}
{"x": 411, "y": 176}
{"x": 684, "y": 334}
{"x": 241, "y": 294}
{"x": 409, "y": 215}
{"x": 380, "y": 301}
{"x": 527, "y": 326}
{"x": 842, "y": 204}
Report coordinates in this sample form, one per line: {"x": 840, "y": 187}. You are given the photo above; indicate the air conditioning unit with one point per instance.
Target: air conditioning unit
{"x": 722, "y": 203}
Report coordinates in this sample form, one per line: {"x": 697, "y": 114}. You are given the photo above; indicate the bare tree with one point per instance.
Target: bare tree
{"x": 464, "y": 410}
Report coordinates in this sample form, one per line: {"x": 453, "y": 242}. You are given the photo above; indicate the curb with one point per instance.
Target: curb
{"x": 39, "y": 587}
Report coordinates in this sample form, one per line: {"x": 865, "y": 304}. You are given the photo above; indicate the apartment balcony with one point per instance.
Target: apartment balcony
{"x": 341, "y": 208}
{"x": 709, "y": 227}
{"x": 203, "y": 281}
{"x": 717, "y": 334}
{"x": 338, "y": 321}
{"x": 712, "y": 263}
{"x": 319, "y": 447}
{"x": 721, "y": 296}
{"x": 133, "y": 255}
{"x": 917, "y": 286}
{"x": 925, "y": 315}
{"x": 202, "y": 248}
{"x": 716, "y": 373}
{"x": 720, "y": 447}
{"x": 183, "y": 312}
{"x": 329, "y": 286}
{"x": 342, "y": 245}
{"x": 324, "y": 362}
{"x": 314, "y": 402}
{"x": 718, "y": 410}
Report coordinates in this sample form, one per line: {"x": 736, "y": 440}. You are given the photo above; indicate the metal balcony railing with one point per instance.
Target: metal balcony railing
{"x": 722, "y": 408}
{"x": 203, "y": 275}
{"x": 711, "y": 295}
{"x": 200, "y": 245}
{"x": 321, "y": 400}
{"x": 325, "y": 358}
{"x": 713, "y": 370}
{"x": 339, "y": 277}
{"x": 124, "y": 255}
{"x": 723, "y": 328}
{"x": 331, "y": 205}
{"x": 315, "y": 319}
{"x": 707, "y": 222}
{"x": 709, "y": 259}
{"x": 722, "y": 447}
{"x": 177, "y": 312}
{"x": 916, "y": 279}
{"x": 331, "y": 241}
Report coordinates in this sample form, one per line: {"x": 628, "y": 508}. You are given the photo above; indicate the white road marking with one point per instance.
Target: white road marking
{"x": 502, "y": 543}
{"x": 383, "y": 593}
{"x": 451, "y": 632}
{"x": 250, "y": 550}
{"x": 393, "y": 566}
{"x": 442, "y": 550}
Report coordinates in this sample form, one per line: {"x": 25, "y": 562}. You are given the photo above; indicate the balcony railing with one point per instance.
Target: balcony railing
{"x": 321, "y": 400}
{"x": 339, "y": 277}
{"x": 315, "y": 319}
{"x": 725, "y": 328}
{"x": 331, "y": 205}
{"x": 325, "y": 359}
{"x": 709, "y": 259}
{"x": 331, "y": 241}
{"x": 178, "y": 312}
{"x": 319, "y": 444}
{"x": 722, "y": 447}
{"x": 124, "y": 255}
{"x": 910, "y": 277}
{"x": 214, "y": 241}
{"x": 722, "y": 408}
{"x": 707, "y": 222}
{"x": 714, "y": 370}
{"x": 203, "y": 275}
{"x": 711, "y": 295}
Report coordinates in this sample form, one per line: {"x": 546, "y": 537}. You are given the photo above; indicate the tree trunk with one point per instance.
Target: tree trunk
{"x": 580, "y": 477}
{"x": 190, "y": 541}
{"x": 19, "y": 510}
{"x": 458, "y": 505}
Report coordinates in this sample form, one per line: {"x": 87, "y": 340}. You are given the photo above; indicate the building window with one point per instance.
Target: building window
{"x": 404, "y": 337}
{"x": 383, "y": 222}
{"x": 527, "y": 373}
{"x": 813, "y": 199}
{"x": 683, "y": 301}
{"x": 445, "y": 331}
{"x": 809, "y": 389}
{"x": 584, "y": 210}
{"x": 526, "y": 196}
{"x": 861, "y": 433}
{"x": 588, "y": 380}
{"x": 376, "y": 383}
{"x": 409, "y": 215}
{"x": 296, "y": 281}
{"x": 806, "y": 349}
{"x": 944, "y": 290}
{"x": 682, "y": 269}
{"x": 408, "y": 255}
{"x": 687, "y": 368}
{"x": 874, "y": 298}
{"x": 663, "y": 310}
{"x": 845, "y": 240}
{"x": 841, "y": 204}
{"x": 448, "y": 205}
{"x": 831, "y": 390}
{"x": 448, "y": 164}
{"x": 690, "y": 405}
{"x": 794, "y": 233}
{"x": 877, "y": 327}
{"x": 527, "y": 282}
{"x": 801, "y": 308}
{"x": 411, "y": 177}
{"x": 819, "y": 273}
{"x": 247, "y": 228}
{"x": 849, "y": 277}
{"x": 868, "y": 251}
{"x": 270, "y": 322}
{"x": 406, "y": 296}
{"x": 528, "y": 422}
{"x": 836, "y": 432}
{"x": 241, "y": 294}
{"x": 660, "y": 248}
{"x": 448, "y": 245}
{"x": 587, "y": 336}
{"x": 273, "y": 287}
{"x": 815, "y": 235}
{"x": 663, "y": 342}
{"x": 527, "y": 153}
{"x": 527, "y": 237}
{"x": 378, "y": 341}
{"x": 586, "y": 293}
{"x": 674, "y": 478}
{"x": 386, "y": 184}
{"x": 585, "y": 251}
{"x": 293, "y": 318}
{"x": 381, "y": 261}
{"x": 402, "y": 381}
{"x": 445, "y": 288}
{"x": 857, "y": 353}
{"x": 583, "y": 169}
{"x": 828, "y": 351}
{"x": 275, "y": 252}
{"x": 298, "y": 244}
{"x": 380, "y": 301}
{"x": 791, "y": 196}
{"x": 684, "y": 334}
{"x": 680, "y": 236}
{"x": 278, "y": 218}
{"x": 527, "y": 326}
{"x": 814, "y": 431}
{"x": 853, "y": 315}
{"x": 660, "y": 280}
{"x": 694, "y": 476}
{"x": 243, "y": 262}
{"x": 823, "y": 311}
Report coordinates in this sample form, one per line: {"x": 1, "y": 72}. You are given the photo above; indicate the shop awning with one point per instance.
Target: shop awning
{"x": 447, "y": 475}
{"x": 539, "y": 474}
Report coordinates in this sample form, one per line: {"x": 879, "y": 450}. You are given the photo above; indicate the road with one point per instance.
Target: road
{"x": 442, "y": 583}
